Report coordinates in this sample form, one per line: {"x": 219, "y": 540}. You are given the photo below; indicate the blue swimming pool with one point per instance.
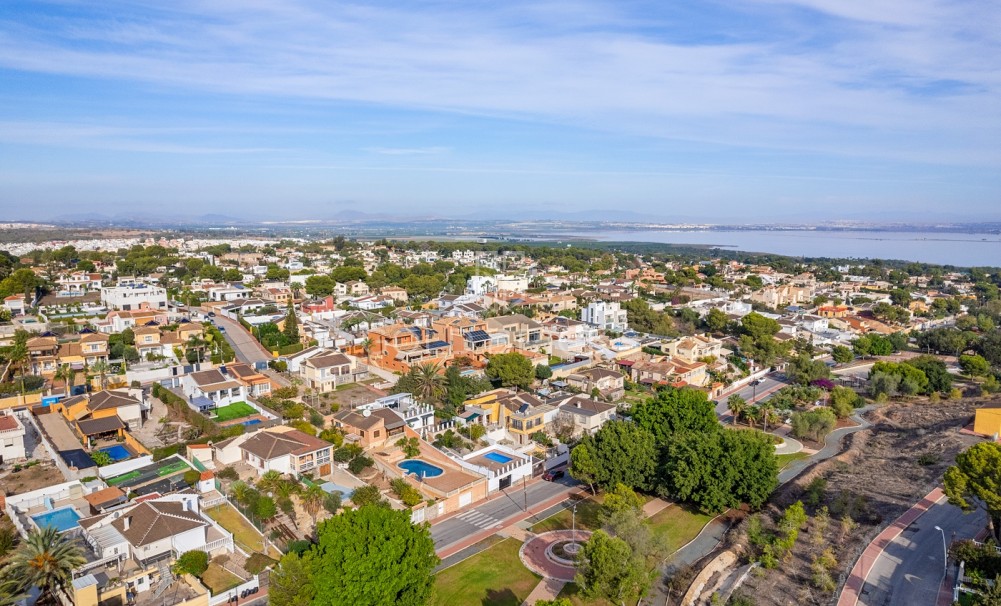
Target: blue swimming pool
{"x": 64, "y": 518}
{"x": 117, "y": 452}
{"x": 420, "y": 468}
{"x": 497, "y": 457}
{"x": 251, "y": 422}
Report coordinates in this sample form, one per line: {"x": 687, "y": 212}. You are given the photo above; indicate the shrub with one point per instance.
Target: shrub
{"x": 191, "y": 476}
{"x": 101, "y": 458}
{"x": 406, "y": 492}
{"x": 359, "y": 463}
{"x": 411, "y": 447}
{"x": 366, "y": 495}
{"x": 228, "y": 473}
{"x": 813, "y": 424}
{"x": 192, "y": 562}
{"x": 299, "y": 547}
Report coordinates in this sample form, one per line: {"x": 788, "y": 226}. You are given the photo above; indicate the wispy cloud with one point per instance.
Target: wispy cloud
{"x": 407, "y": 151}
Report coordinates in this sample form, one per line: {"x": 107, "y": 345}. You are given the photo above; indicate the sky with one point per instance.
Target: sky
{"x": 729, "y": 111}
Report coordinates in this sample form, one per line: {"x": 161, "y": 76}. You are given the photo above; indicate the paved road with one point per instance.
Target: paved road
{"x": 493, "y": 513}
{"x": 910, "y": 569}
{"x": 244, "y": 344}
{"x": 768, "y": 385}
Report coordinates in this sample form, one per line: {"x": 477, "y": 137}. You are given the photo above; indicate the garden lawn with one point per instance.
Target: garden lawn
{"x": 236, "y": 410}
{"x": 785, "y": 459}
{"x": 243, "y": 532}
{"x": 588, "y": 517}
{"x": 493, "y": 577}
{"x": 571, "y": 592}
{"x": 218, "y": 579}
{"x": 679, "y": 525}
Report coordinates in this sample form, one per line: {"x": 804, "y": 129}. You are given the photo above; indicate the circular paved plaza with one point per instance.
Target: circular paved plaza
{"x": 539, "y": 556}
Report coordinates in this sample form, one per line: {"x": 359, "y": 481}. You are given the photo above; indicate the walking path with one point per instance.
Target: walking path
{"x": 547, "y": 589}
{"x": 856, "y": 580}
{"x": 655, "y": 506}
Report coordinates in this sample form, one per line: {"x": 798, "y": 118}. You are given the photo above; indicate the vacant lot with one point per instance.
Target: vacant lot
{"x": 885, "y": 470}
{"x": 494, "y": 577}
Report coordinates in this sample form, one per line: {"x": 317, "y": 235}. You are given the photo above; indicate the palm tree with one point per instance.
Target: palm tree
{"x": 428, "y": 382}
{"x": 197, "y": 343}
{"x": 765, "y": 409}
{"x": 366, "y": 346}
{"x": 286, "y": 487}
{"x": 312, "y": 499}
{"x": 46, "y": 559}
{"x": 270, "y": 481}
{"x": 240, "y": 490}
{"x": 101, "y": 369}
{"x": 10, "y": 593}
{"x": 17, "y": 356}
{"x": 737, "y": 407}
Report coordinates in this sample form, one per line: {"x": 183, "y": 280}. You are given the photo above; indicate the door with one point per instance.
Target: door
{"x": 325, "y": 469}
{"x": 505, "y": 482}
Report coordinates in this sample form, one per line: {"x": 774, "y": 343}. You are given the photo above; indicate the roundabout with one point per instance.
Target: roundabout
{"x": 551, "y": 554}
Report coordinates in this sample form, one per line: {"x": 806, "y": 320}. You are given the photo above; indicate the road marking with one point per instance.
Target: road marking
{"x": 478, "y": 519}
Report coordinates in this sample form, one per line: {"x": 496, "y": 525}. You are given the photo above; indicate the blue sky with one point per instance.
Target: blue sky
{"x": 729, "y": 111}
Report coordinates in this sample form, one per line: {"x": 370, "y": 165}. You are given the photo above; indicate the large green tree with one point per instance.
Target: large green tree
{"x": 621, "y": 453}
{"x": 608, "y": 568}
{"x": 510, "y": 370}
{"x": 676, "y": 410}
{"x": 291, "y": 582}
{"x": 373, "y": 555}
{"x": 975, "y": 482}
{"x": 719, "y": 470}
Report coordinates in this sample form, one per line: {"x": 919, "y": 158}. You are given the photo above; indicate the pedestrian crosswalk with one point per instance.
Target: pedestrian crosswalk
{"x": 479, "y": 520}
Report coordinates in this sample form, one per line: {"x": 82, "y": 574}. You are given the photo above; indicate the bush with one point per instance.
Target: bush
{"x": 191, "y": 476}
{"x": 359, "y": 463}
{"x": 411, "y": 447}
{"x": 101, "y": 458}
{"x": 192, "y": 562}
{"x": 367, "y": 495}
{"x": 299, "y": 547}
{"x": 406, "y": 492}
{"x": 166, "y": 451}
{"x": 813, "y": 424}
{"x": 228, "y": 473}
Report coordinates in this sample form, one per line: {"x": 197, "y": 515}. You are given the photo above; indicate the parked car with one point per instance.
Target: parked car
{"x": 553, "y": 474}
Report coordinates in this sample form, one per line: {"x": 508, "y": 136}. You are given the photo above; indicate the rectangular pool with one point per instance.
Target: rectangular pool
{"x": 63, "y": 519}
{"x": 497, "y": 457}
{"x": 117, "y": 452}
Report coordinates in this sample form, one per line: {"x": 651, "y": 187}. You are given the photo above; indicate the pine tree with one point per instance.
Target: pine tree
{"x": 291, "y": 328}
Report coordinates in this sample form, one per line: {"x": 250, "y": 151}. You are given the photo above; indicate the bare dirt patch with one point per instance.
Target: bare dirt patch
{"x": 883, "y": 471}
{"x": 31, "y": 478}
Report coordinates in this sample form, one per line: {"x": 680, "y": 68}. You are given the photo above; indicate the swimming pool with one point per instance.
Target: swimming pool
{"x": 117, "y": 452}
{"x": 421, "y": 468}
{"x": 63, "y": 519}
{"x": 251, "y": 422}
{"x": 497, "y": 457}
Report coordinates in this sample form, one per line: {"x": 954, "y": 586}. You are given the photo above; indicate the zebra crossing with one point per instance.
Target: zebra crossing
{"x": 479, "y": 520}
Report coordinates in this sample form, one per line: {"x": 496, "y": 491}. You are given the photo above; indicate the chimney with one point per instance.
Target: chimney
{"x": 126, "y": 522}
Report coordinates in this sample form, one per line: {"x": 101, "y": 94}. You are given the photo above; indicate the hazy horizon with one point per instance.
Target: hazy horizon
{"x": 747, "y": 111}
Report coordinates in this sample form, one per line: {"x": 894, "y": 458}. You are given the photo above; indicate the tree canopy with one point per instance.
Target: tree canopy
{"x": 510, "y": 370}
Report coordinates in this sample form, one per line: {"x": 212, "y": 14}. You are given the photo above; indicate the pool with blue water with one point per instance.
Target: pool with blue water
{"x": 117, "y": 452}
{"x": 497, "y": 457}
{"x": 63, "y": 519}
{"x": 420, "y": 468}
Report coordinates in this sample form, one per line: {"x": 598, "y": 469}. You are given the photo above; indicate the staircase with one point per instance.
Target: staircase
{"x": 166, "y": 578}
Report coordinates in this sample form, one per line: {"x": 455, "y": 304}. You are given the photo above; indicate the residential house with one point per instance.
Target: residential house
{"x": 131, "y": 294}
{"x": 11, "y": 438}
{"x": 208, "y": 389}
{"x": 228, "y": 292}
{"x": 16, "y": 304}
{"x": 257, "y": 384}
{"x": 128, "y": 405}
{"x": 586, "y": 415}
{"x": 559, "y": 328}
{"x": 287, "y": 450}
{"x": 79, "y": 282}
{"x": 606, "y": 315}
{"x": 609, "y": 383}
{"x": 279, "y": 296}
{"x": 395, "y": 293}
{"x": 784, "y": 295}
{"x": 694, "y": 348}
{"x": 398, "y": 346}
{"x": 522, "y": 331}
{"x": 326, "y": 370}
{"x": 374, "y": 428}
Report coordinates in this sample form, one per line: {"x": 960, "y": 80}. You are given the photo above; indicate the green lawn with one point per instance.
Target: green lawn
{"x": 494, "y": 577}
{"x": 785, "y": 459}
{"x": 572, "y": 593}
{"x": 218, "y": 579}
{"x": 588, "y": 517}
{"x": 236, "y": 410}
{"x": 125, "y": 477}
{"x": 679, "y": 525}
{"x": 243, "y": 532}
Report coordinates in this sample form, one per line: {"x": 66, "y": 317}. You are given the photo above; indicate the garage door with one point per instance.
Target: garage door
{"x": 465, "y": 499}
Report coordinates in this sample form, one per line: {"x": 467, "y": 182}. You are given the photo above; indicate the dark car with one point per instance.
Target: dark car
{"x": 211, "y": 314}
{"x": 553, "y": 474}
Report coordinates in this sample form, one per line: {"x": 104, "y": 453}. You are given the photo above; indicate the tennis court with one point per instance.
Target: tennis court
{"x": 236, "y": 410}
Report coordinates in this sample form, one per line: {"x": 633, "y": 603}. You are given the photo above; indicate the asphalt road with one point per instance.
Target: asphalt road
{"x": 246, "y": 347}
{"x": 493, "y": 514}
{"x": 768, "y": 385}
{"x": 911, "y": 568}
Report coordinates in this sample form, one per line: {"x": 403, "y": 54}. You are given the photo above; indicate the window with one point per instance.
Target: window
{"x": 375, "y": 434}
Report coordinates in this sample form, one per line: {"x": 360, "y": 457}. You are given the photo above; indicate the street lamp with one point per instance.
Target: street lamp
{"x": 945, "y": 553}
{"x": 573, "y": 525}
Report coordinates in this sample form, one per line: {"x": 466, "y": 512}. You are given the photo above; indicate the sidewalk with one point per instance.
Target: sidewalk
{"x": 547, "y": 589}
{"x": 856, "y": 580}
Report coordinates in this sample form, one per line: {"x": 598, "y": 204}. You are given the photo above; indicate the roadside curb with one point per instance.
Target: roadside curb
{"x": 863, "y": 566}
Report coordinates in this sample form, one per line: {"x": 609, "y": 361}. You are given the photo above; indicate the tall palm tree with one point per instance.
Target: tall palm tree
{"x": 17, "y": 357}
{"x": 46, "y": 559}
{"x": 240, "y": 489}
{"x": 765, "y": 409}
{"x": 366, "y": 346}
{"x": 428, "y": 382}
{"x": 101, "y": 368}
{"x": 286, "y": 487}
{"x": 737, "y": 407}
{"x": 312, "y": 499}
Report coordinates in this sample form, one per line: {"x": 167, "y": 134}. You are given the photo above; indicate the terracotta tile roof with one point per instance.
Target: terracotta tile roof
{"x": 153, "y": 521}
{"x": 272, "y": 444}
{"x": 8, "y": 423}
